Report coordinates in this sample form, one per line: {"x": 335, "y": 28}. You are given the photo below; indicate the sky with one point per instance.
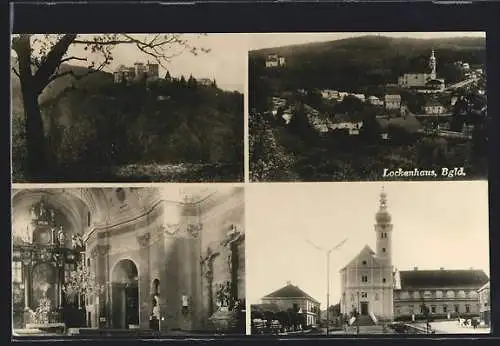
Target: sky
{"x": 270, "y": 40}
{"x": 226, "y": 61}
{"x": 436, "y": 224}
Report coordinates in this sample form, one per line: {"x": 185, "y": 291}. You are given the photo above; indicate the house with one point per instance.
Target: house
{"x": 292, "y": 297}
{"x": 343, "y": 122}
{"x": 435, "y": 84}
{"x": 360, "y": 97}
{"x": 392, "y": 102}
{"x": 274, "y": 60}
{"x": 375, "y": 101}
{"x": 328, "y": 94}
{"x": 445, "y": 292}
{"x": 205, "y": 81}
{"x": 434, "y": 107}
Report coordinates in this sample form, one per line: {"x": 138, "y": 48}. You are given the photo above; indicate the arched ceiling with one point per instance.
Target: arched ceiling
{"x": 73, "y": 203}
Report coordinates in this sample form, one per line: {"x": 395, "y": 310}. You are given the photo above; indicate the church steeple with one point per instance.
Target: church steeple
{"x": 383, "y": 230}
{"x": 432, "y": 65}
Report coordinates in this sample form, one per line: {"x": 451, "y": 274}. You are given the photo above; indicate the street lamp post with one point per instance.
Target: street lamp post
{"x": 328, "y": 252}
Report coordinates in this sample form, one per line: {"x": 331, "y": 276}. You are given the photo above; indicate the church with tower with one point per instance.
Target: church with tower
{"x": 374, "y": 290}
{"x": 367, "y": 280}
{"x": 428, "y": 80}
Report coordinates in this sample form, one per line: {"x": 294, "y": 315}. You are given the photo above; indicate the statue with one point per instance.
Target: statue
{"x": 61, "y": 238}
{"x": 52, "y": 216}
{"x": 33, "y": 213}
{"x": 42, "y": 212}
{"x": 77, "y": 241}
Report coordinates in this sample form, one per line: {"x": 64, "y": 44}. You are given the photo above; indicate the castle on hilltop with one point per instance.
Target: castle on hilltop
{"x": 140, "y": 70}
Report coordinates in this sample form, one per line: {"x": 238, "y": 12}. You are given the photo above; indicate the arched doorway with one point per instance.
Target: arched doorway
{"x": 125, "y": 295}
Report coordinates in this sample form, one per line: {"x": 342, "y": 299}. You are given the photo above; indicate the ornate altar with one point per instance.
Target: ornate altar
{"x": 43, "y": 257}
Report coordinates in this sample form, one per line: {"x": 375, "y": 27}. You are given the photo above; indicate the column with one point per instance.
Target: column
{"x": 143, "y": 281}
{"x": 100, "y": 258}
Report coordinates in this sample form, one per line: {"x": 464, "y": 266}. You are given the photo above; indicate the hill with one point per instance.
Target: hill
{"x": 100, "y": 124}
{"x": 355, "y": 63}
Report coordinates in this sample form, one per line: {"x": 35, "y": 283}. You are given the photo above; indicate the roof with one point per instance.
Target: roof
{"x": 419, "y": 279}
{"x": 433, "y": 103}
{"x": 290, "y": 291}
{"x": 394, "y": 96}
{"x": 434, "y": 82}
{"x": 367, "y": 250}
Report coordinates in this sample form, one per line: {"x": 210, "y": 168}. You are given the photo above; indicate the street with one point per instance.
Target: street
{"x": 452, "y": 327}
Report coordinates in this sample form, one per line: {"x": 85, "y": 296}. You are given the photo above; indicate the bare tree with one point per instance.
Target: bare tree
{"x": 39, "y": 62}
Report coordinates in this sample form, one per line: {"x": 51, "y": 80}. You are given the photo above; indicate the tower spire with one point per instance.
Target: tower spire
{"x": 432, "y": 65}
{"x": 383, "y": 216}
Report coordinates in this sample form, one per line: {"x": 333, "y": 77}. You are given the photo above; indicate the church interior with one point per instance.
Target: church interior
{"x": 118, "y": 258}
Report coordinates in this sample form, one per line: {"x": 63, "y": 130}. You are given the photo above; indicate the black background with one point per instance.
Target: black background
{"x": 277, "y": 17}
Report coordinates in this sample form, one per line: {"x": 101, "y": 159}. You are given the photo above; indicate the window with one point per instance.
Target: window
{"x": 411, "y": 309}
{"x": 295, "y": 307}
{"x": 364, "y": 278}
{"x": 88, "y": 262}
{"x": 376, "y": 296}
{"x": 383, "y": 249}
{"x": 17, "y": 272}
{"x": 383, "y": 280}
{"x": 364, "y": 295}
{"x": 445, "y": 309}
{"x": 467, "y": 308}
{"x": 433, "y": 309}
{"x": 364, "y": 263}
{"x": 88, "y": 219}
{"x": 457, "y": 308}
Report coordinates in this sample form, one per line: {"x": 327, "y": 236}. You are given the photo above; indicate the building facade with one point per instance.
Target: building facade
{"x": 181, "y": 250}
{"x": 485, "y": 303}
{"x": 392, "y": 102}
{"x": 367, "y": 280}
{"x": 292, "y": 297}
{"x": 274, "y": 60}
{"x": 446, "y": 293}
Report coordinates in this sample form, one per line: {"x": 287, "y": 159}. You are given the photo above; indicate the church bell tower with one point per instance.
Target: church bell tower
{"x": 432, "y": 65}
{"x": 383, "y": 230}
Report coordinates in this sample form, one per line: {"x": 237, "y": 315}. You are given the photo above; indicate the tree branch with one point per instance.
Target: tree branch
{"x": 52, "y": 61}
{"x": 15, "y": 72}
{"x": 72, "y": 58}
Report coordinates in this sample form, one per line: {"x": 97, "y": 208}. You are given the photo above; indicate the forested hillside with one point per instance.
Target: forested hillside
{"x": 356, "y": 64}
{"x": 100, "y": 124}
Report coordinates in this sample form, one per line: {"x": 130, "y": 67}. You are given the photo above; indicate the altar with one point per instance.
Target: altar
{"x": 43, "y": 258}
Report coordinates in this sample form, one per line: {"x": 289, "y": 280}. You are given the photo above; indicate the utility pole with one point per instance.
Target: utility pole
{"x": 328, "y": 252}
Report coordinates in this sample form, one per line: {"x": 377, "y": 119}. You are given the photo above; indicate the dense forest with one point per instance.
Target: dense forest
{"x": 295, "y": 151}
{"x": 100, "y": 125}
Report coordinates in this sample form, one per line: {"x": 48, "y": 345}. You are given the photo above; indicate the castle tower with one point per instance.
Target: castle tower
{"x": 383, "y": 230}
{"x": 432, "y": 65}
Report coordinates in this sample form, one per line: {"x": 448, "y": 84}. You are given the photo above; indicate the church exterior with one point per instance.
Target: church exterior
{"x": 367, "y": 281}
{"x": 178, "y": 255}
{"x": 372, "y": 288}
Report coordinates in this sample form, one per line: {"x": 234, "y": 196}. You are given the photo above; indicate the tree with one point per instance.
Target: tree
{"x": 41, "y": 60}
